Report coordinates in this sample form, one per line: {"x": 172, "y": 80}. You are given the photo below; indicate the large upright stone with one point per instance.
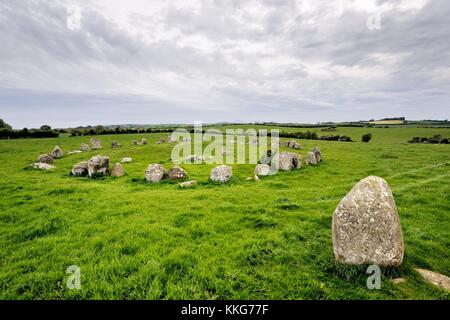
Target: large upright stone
{"x": 154, "y": 173}
{"x": 221, "y": 173}
{"x": 98, "y": 165}
{"x": 366, "y": 227}
{"x": 96, "y": 144}
{"x": 57, "y": 152}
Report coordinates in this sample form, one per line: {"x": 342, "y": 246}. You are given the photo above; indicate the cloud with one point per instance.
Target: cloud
{"x": 288, "y": 60}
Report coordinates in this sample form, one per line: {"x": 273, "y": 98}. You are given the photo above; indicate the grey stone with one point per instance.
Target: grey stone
{"x": 434, "y": 278}
{"x": 117, "y": 170}
{"x": 115, "y": 144}
{"x": 176, "y": 173}
{"x": 45, "y": 158}
{"x": 262, "y": 170}
{"x": 188, "y": 184}
{"x": 126, "y": 160}
{"x": 288, "y": 161}
{"x": 310, "y": 159}
{"x": 154, "y": 173}
{"x": 42, "y": 166}
{"x": 317, "y": 154}
{"x": 96, "y": 144}
{"x": 98, "y": 165}
{"x": 57, "y": 152}
{"x": 80, "y": 169}
{"x": 144, "y": 141}
{"x": 84, "y": 147}
{"x": 366, "y": 227}
{"x": 222, "y": 173}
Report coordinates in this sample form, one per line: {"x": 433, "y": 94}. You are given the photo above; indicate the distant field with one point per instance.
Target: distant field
{"x": 382, "y": 122}
{"x": 243, "y": 240}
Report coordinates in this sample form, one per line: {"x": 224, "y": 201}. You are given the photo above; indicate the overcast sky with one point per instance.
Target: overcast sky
{"x": 70, "y": 63}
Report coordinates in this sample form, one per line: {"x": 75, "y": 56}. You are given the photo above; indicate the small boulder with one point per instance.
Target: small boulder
{"x": 144, "y": 141}
{"x": 84, "y": 147}
{"x": 310, "y": 159}
{"x": 221, "y": 173}
{"x": 74, "y": 152}
{"x": 80, "y": 169}
{"x": 96, "y": 144}
{"x": 57, "y": 152}
{"x": 115, "y": 144}
{"x": 45, "y": 158}
{"x": 98, "y": 165}
{"x": 154, "y": 173}
{"x": 117, "y": 170}
{"x": 134, "y": 143}
{"x": 126, "y": 160}
{"x": 262, "y": 170}
{"x": 42, "y": 166}
{"x": 188, "y": 184}
{"x": 434, "y": 278}
{"x": 366, "y": 227}
{"x": 176, "y": 173}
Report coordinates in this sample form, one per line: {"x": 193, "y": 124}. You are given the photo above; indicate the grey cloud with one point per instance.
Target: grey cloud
{"x": 225, "y": 60}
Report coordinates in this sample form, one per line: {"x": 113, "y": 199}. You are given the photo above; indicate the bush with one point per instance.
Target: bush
{"x": 367, "y": 137}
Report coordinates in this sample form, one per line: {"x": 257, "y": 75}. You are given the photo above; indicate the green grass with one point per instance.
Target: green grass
{"x": 243, "y": 240}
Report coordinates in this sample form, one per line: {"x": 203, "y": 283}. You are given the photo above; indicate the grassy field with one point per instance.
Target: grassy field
{"x": 242, "y": 240}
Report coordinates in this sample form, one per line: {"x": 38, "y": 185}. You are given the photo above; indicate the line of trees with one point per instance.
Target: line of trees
{"x": 7, "y": 132}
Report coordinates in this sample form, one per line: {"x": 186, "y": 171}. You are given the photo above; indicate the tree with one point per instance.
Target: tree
{"x": 4, "y": 125}
{"x": 367, "y": 137}
{"x": 46, "y": 127}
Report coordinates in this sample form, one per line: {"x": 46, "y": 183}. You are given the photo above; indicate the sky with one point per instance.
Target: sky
{"x": 69, "y": 63}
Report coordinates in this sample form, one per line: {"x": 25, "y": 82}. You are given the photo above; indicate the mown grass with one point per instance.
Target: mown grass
{"x": 243, "y": 240}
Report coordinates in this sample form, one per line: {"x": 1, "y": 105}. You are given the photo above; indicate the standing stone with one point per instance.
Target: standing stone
{"x": 45, "y": 158}
{"x": 117, "y": 170}
{"x": 126, "y": 160}
{"x": 310, "y": 159}
{"x": 317, "y": 154}
{"x": 285, "y": 161}
{"x": 80, "y": 169}
{"x": 98, "y": 165}
{"x": 176, "y": 173}
{"x": 154, "y": 173}
{"x": 221, "y": 173}
{"x": 296, "y": 160}
{"x": 115, "y": 144}
{"x": 96, "y": 144}
{"x": 366, "y": 227}
{"x": 84, "y": 147}
{"x": 57, "y": 152}
{"x": 144, "y": 141}
{"x": 262, "y": 170}
{"x": 171, "y": 139}
{"x": 134, "y": 142}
